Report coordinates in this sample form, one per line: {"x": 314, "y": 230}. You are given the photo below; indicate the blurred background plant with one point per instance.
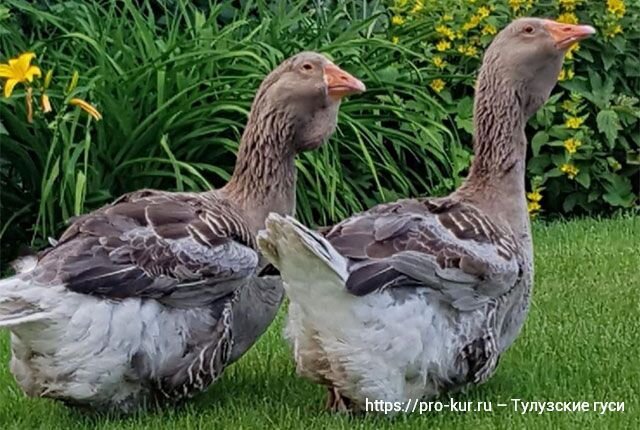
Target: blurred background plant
{"x": 174, "y": 79}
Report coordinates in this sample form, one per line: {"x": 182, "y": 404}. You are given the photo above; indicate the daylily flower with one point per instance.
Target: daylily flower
{"x": 18, "y": 70}
{"x": 45, "y": 103}
{"x": 29, "y": 102}
{"x": 87, "y": 107}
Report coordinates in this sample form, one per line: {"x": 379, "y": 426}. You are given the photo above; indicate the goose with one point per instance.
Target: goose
{"x": 418, "y": 297}
{"x": 149, "y": 298}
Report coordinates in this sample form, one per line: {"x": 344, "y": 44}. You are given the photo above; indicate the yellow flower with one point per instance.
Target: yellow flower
{"x": 395, "y": 40}
{"x": 437, "y": 85}
{"x": 573, "y": 48}
{"x": 613, "y": 30}
{"x": 438, "y": 62}
{"x": 566, "y": 74}
{"x": 572, "y": 145}
{"x": 468, "y": 50}
{"x": 446, "y": 32}
{"x": 616, "y": 7}
{"x": 534, "y": 196}
{"x": 397, "y": 20}
{"x": 573, "y": 122}
{"x": 88, "y": 108}
{"x": 489, "y": 30}
{"x": 516, "y": 5}
{"x": 562, "y": 76}
{"x": 568, "y": 18}
{"x": 45, "y": 104}
{"x": 533, "y": 207}
{"x": 417, "y": 7}
{"x": 570, "y": 170}
{"x": 447, "y": 17}
{"x": 443, "y": 45}
{"x": 18, "y": 70}
{"x": 569, "y": 5}
{"x": 473, "y": 23}
{"x": 483, "y": 11}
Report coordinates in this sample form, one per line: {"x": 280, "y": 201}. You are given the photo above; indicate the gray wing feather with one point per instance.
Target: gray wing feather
{"x": 448, "y": 247}
{"x": 181, "y": 248}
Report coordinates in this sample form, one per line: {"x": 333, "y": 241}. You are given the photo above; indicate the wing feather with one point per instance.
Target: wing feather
{"x": 169, "y": 246}
{"x": 449, "y": 247}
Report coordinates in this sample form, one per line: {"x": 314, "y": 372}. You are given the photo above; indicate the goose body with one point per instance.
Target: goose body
{"x": 142, "y": 300}
{"x": 418, "y": 297}
{"x": 147, "y": 300}
{"x": 404, "y": 301}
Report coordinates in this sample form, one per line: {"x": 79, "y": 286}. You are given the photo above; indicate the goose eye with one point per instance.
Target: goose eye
{"x": 528, "y": 29}
{"x": 308, "y": 67}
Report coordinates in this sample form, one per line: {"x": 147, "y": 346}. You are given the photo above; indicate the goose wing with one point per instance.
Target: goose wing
{"x": 176, "y": 247}
{"x": 444, "y": 245}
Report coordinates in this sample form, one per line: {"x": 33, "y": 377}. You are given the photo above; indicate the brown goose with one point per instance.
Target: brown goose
{"x": 413, "y": 298}
{"x": 151, "y": 297}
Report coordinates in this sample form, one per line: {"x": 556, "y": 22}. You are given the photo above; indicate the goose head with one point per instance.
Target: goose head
{"x": 305, "y": 92}
{"x": 528, "y": 53}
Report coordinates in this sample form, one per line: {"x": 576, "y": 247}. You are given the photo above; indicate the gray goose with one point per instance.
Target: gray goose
{"x": 417, "y": 297}
{"x": 151, "y": 297}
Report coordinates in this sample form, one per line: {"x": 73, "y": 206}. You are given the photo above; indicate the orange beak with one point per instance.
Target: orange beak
{"x": 566, "y": 35}
{"x": 341, "y": 83}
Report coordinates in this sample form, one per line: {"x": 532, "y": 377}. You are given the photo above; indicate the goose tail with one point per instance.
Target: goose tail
{"x": 15, "y": 307}
{"x": 306, "y": 260}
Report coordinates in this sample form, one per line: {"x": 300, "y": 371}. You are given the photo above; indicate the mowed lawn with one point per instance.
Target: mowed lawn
{"x": 580, "y": 343}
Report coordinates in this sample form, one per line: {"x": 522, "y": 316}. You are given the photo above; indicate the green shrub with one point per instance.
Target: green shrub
{"x": 174, "y": 85}
{"x": 585, "y": 142}
{"x": 174, "y": 79}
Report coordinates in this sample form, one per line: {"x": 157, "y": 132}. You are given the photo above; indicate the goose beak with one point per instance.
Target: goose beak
{"x": 340, "y": 83}
{"x": 566, "y": 35}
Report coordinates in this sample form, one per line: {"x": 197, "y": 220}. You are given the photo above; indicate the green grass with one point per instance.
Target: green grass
{"x": 580, "y": 343}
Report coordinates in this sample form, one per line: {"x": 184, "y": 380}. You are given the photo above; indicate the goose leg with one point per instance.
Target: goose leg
{"x": 335, "y": 402}
{"x": 482, "y": 355}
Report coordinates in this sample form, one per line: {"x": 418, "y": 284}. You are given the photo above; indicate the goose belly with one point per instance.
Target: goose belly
{"x": 97, "y": 352}
{"x": 392, "y": 346}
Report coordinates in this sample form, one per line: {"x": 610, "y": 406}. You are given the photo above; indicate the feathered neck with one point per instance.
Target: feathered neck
{"x": 496, "y": 181}
{"x": 264, "y": 177}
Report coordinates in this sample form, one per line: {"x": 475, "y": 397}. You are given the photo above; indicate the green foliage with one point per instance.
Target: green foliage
{"x": 174, "y": 84}
{"x": 174, "y": 81}
{"x": 585, "y": 143}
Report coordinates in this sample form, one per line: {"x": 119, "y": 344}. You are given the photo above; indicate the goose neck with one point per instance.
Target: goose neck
{"x": 496, "y": 181}
{"x": 264, "y": 176}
